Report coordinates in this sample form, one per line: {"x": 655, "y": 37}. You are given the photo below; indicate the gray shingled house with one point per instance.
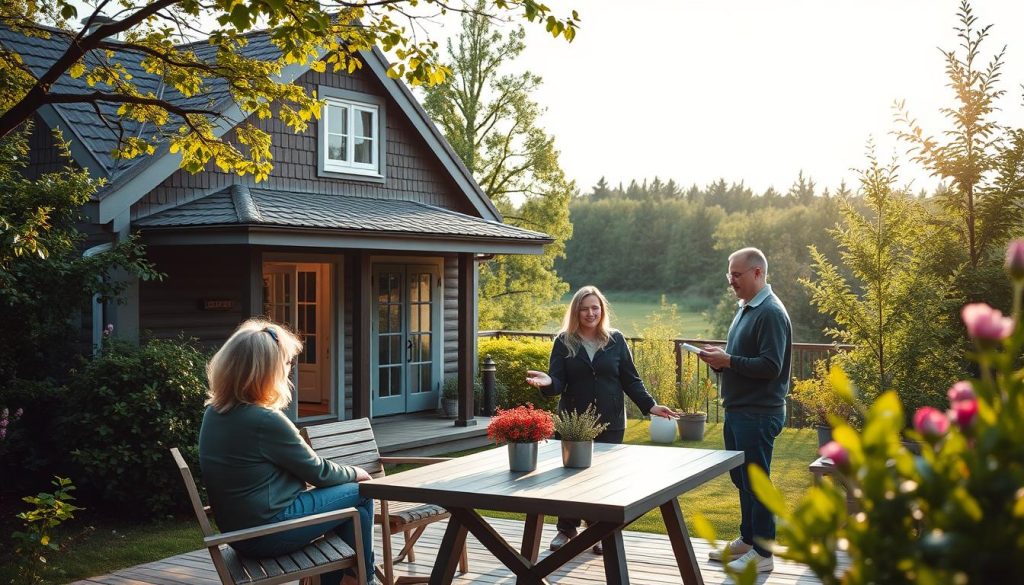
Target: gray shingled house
{"x": 365, "y": 239}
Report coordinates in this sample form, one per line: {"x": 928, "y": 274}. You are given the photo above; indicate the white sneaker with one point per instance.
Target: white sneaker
{"x": 764, "y": 564}
{"x": 735, "y": 548}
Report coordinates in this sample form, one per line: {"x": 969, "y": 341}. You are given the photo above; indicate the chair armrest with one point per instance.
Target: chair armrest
{"x": 413, "y": 460}
{"x": 237, "y": 535}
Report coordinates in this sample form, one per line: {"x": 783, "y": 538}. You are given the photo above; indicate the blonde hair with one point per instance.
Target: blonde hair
{"x": 252, "y": 367}
{"x": 570, "y": 331}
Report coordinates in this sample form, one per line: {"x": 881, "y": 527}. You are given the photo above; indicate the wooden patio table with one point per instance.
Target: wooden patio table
{"x": 624, "y": 483}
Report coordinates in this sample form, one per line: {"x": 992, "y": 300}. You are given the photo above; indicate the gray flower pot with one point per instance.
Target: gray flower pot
{"x": 691, "y": 426}
{"x": 450, "y": 407}
{"x": 577, "y": 453}
{"x": 522, "y": 456}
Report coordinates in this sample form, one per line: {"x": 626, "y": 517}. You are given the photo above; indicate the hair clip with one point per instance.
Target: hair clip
{"x": 273, "y": 334}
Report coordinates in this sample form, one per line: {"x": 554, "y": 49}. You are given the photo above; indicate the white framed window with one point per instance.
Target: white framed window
{"x": 350, "y": 142}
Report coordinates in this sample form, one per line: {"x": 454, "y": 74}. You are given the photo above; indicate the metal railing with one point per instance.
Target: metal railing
{"x": 805, "y": 356}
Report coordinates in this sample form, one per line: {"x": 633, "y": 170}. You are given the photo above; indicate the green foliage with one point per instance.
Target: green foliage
{"x": 655, "y": 356}
{"x": 44, "y": 280}
{"x": 160, "y": 36}
{"x": 30, "y": 445}
{"x": 493, "y": 125}
{"x": 693, "y": 391}
{"x": 579, "y": 426}
{"x": 894, "y": 309}
{"x": 36, "y": 541}
{"x": 450, "y": 388}
{"x": 818, "y": 400}
{"x": 513, "y": 357}
{"x": 123, "y": 410}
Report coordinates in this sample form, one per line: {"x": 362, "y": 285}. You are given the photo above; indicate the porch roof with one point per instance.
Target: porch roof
{"x": 252, "y": 215}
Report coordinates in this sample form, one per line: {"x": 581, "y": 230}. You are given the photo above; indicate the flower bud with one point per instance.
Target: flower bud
{"x": 1015, "y": 259}
{"x": 986, "y": 324}
{"x": 965, "y": 412}
{"x": 931, "y": 423}
{"x": 962, "y": 390}
{"x": 837, "y": 453}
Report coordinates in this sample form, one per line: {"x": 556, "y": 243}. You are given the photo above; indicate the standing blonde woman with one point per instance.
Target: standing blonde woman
{"x": 256, "y": 465}
{"x": 591, "y": 364}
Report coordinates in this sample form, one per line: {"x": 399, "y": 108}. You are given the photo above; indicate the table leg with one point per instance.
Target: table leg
{"x": 452, "y": 543}
{"x": 522, "y": 567}
{"x": 681, "y": 545}
{"x": 615, "y": 570}
{"x": 531, "y": 536}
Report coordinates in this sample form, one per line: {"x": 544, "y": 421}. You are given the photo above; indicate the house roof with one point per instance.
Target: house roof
{"x": 93, "y": 142}
{"x": 360, "y": 220}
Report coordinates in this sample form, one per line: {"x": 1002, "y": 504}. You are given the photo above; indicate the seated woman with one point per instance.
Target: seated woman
{"x": 255, "y": 464}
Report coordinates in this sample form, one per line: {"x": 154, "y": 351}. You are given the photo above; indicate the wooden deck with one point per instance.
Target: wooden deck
{"x": 649, "y": 557}
{"x": 420, "y": 435}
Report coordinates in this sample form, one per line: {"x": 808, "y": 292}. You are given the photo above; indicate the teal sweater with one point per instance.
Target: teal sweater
{"x": 761, "y": 345}
{"x": 255, "y": 463}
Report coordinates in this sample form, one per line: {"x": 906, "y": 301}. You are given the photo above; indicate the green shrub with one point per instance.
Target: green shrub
{"x": 654, "y": 355}
{"x": 37, "y": 539}
{"x": 513, "y": 357}
{"x": 819, "y": 401}
{"x": 124, "y": 409}
{"x": 29, "y": 454}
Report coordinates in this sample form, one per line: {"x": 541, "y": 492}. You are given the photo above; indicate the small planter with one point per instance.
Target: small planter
{"x": 577, "y": 453}
{"x": 691, "y": 426}
{"x": 663, "y": 430}
{"x": 522, "y": 456}
{"x": 450, "y": 407}
{"x": 824, "y": 434}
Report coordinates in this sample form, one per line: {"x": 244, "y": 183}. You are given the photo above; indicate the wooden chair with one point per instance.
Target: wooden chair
{"x": 351, "y": 442}
{"x": 327, "y": 553}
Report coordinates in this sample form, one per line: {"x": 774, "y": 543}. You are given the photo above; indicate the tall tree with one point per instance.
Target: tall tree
{"x": 982, "y": 160}
{"x": 166, "y": 37}
{"x": 491, "y": 121}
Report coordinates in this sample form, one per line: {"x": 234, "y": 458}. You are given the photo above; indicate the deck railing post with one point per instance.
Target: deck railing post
{"x": 488, "y": 372}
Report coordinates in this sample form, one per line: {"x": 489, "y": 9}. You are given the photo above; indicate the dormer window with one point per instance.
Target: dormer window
{"x": 350, "y": 142}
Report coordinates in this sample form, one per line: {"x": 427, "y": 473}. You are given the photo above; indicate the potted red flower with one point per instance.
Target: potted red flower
{"x": 521, "y": 428}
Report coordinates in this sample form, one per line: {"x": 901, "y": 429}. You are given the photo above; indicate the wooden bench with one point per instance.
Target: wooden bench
{"x": 351, "y": 442}
{"x": 327, "y": 553}
{"x": 823, "y": 466}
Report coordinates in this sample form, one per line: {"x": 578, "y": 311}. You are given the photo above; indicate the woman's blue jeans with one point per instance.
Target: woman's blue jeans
{"x": 316, "y": 501}
{"x": 754, "y": 434}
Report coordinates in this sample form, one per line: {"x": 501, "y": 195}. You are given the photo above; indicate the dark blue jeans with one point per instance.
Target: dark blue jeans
{"x": 754, "y": 434}
{"x": 316, "y": 501}
{"x": 570, "y": 525}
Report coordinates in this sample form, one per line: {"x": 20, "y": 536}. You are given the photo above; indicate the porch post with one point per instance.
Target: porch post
{"x": 467, "y": 338}
{"x": 362, "y": 293}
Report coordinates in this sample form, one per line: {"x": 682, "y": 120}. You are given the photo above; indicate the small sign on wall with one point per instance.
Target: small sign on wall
{"x": 216, "y": 304}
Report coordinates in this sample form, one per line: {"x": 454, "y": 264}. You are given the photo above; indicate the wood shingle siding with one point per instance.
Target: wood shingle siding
{"x": 413, "y": 173}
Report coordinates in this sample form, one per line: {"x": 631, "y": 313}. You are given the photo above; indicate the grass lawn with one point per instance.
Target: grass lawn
{"x": 96, "y": 547}
{"x": 631, "y": 309}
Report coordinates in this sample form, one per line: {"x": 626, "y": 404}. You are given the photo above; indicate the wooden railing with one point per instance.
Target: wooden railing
{"x": 805, "y": 356}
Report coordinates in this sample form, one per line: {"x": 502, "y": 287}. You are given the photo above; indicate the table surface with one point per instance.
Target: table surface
{"x": 624, "y": 482}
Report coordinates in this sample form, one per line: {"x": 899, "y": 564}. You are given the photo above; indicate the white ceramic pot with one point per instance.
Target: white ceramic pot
{"x": 663, "y": 430}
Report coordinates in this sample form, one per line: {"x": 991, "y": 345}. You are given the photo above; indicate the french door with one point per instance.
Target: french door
{"x": 406, "y": 344}
{"x": 298, "y": 295}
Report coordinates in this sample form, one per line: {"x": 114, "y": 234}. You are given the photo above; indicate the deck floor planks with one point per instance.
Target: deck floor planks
{"x": 649, "y": 557}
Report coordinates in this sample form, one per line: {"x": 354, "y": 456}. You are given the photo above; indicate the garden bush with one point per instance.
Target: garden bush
{"x": 123, "y": 410}
{"x": 513, "y": 357}
{"x": 28, "y": 441}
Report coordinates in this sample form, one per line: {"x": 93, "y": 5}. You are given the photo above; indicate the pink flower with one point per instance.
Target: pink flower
{"x": 985, "y": 323}
{"x": 837, "y": 453}
{"x": 1015, "y": 259}
{"x": 931, "y": 423}
{"x": 962, "y": 390}
{"x": 965, "y": 412}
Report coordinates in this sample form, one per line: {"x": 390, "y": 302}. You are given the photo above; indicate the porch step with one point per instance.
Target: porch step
{"x": 426, "y": 436}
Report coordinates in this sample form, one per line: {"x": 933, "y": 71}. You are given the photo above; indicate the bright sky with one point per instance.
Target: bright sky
{"x": 697, "y": 90}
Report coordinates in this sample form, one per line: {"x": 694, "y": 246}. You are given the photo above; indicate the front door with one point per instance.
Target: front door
{"x": 298, "y": 295}
{"x": 406, "y": 343}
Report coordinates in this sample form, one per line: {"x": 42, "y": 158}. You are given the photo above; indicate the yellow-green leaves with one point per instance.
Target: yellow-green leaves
{"x": 766, "y": 492}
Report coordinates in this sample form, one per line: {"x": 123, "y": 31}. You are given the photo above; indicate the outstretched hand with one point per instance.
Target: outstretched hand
{"x": 537, "y": 379}
{"x": 663, "y": 411}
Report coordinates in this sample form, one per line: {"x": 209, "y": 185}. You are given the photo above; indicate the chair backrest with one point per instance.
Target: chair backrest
{"x": 347, "y": 442}
{"x": 193, "y": 492}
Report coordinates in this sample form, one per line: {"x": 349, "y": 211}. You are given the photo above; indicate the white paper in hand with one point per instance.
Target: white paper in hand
{"x": 692, "y": 348}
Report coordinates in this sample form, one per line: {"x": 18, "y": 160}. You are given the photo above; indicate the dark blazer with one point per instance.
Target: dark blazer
{"x": 601, "y": 382}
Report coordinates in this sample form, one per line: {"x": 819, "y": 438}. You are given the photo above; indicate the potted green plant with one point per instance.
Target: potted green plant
{"x": 818, "y": 403}
{"x": 577, "y": 431}
{"x": 691, "y": 398}
{"x": 450, "y": 397}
